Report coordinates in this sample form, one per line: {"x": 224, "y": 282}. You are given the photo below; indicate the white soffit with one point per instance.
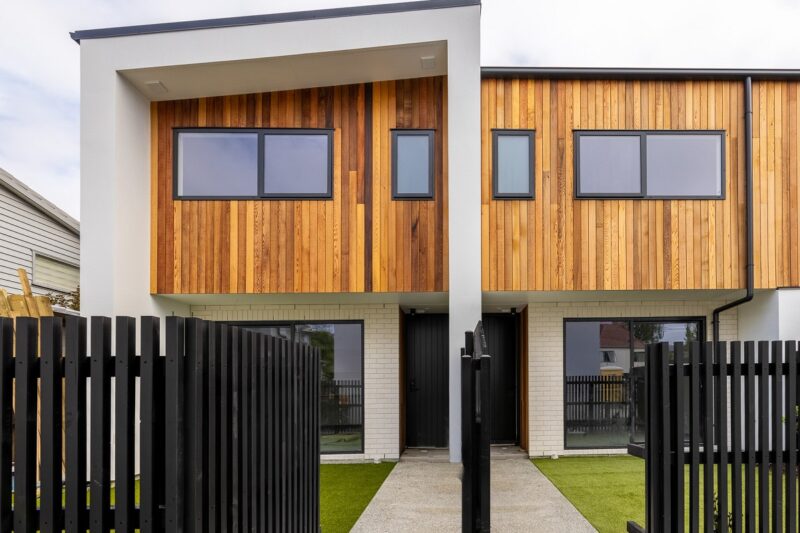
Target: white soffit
{"x": 291, "y": 72}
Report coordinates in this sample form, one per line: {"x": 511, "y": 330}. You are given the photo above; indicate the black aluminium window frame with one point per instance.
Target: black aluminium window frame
{"x": 261, "y": 134}
{"x": 421, "y": 132}
{"x": 643, "y": 134}
{"x": 701, "y": 320}
{"x": 509, "y": 132}
{"x": 292, "y": 324}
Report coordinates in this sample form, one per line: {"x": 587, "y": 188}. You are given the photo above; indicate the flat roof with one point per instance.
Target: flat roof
{"x": 637, "y": 73}
{"x": 272, "y": 18}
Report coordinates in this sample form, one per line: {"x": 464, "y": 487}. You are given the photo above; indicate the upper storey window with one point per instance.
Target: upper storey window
{"x": 651, "y": 164}
{"x": 252, "y": 163}
{"x": 412, "y": 164}
{"x": 512, "y": 163}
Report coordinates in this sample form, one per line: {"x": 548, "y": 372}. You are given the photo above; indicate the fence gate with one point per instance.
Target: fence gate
{"x": 475, "y": 431}
{"x": 724, "y": 428}
{"x": 228, "y": 428}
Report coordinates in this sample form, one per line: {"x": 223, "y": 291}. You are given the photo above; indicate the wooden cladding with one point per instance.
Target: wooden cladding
{"x": 557, "y": 242}
{"x": 358, "y": 241}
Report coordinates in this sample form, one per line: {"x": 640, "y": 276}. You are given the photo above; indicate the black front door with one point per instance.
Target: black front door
{"x": 426, "y": 381}
{"x": 501, "y": 339}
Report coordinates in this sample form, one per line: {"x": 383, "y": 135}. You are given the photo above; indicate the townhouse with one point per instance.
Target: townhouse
{"x": 355, "y": 179}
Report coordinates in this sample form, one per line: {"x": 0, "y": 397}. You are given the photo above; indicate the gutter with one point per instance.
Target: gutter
{"x": 579, "y": 73}
{"x": 748, "y": 165}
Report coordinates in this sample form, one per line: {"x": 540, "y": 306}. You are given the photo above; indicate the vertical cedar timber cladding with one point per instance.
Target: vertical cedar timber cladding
{"x": 555, "y": 242}
{"x": 358, "y": 241}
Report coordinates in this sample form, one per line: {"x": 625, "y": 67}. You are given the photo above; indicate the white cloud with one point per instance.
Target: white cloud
{"x": 40, "y": 76}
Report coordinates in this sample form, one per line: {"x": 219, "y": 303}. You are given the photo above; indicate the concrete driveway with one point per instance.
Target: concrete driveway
{"x": 425, "y": 495}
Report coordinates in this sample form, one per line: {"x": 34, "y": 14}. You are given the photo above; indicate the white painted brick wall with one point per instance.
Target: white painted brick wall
{"x": 546, "y": 358}
{"x": 381, "y": 363}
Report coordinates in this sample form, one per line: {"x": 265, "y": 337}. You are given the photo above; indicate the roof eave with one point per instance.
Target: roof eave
{"x": 638, "y": 73}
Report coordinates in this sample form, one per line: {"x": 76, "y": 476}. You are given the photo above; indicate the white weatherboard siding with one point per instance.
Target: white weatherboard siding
{"x": 24, "y": 230}
{"x": 381, "y": 363}
{"x": 546, "y": 357}
{"x": 115, "y": 146}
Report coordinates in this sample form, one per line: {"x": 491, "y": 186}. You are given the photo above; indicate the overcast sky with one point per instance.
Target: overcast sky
{"x": 39, "y": 64}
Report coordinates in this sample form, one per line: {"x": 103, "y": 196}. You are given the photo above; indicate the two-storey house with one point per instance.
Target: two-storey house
{"x": 355, "y": 179}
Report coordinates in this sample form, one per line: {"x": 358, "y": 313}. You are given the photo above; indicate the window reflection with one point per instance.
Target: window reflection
{"x": 604, "y": 377}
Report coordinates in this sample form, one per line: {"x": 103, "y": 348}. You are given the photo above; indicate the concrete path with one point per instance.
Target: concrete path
{"x": 425, "y": 495}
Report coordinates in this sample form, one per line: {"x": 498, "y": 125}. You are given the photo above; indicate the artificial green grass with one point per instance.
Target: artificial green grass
{"x": 608, "y": 491}
{"x": 346, "y": 490}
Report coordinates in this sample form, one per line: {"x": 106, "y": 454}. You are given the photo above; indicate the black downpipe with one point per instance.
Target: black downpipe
{"x": 748, "y": 167}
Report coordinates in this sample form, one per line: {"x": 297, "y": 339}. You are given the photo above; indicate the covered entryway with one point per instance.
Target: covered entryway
{"x": 426, "y": 380}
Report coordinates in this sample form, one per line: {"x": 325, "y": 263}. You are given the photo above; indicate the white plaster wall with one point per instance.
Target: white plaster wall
{"x": 789, "y": 314}
{"x": 546, "y": 358}
{"x": 758, "y": 318}
{"x": 381, "y": 363}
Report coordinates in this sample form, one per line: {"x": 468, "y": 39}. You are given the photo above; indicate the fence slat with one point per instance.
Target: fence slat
{"x": 720, "y": 366}
{"x": 125, "y": 408}
{"x": 708, "y": 435}
{"x": 694, "y": 437}
{"x": 75, "y": 516}
{"x": 174, "y": 424}
{"x": 662, "y": 362}
{"x": 750, "y": 436}
{"x": 763, "y": 436}
{"x": 236, "y": 425}
{"x": 736, "y": 435}
{"x": 25, "y": 442}
{"x": 226, "y": 429}
{"x": 50, "y": 517}
{"x": 791, "y": 436}
{"x": 777, "y": 436}
{"x": 152, "y": 444}
{"x": 254, "y": 433}
{"x": 195, "y": 422}
{"x": 214, "y": 349}
{"x": 678, "y": 436}
{"x": 100, "y": 491}
{"x": 6, "y": 418}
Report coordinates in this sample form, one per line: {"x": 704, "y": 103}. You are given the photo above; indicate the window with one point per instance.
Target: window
{"x": 252, "y": 163}
{"x": 217, "y": 164}
{"x": 604, "y": 376}
{"x": 649, "y": 164}
{"x": 53, "y": 274}
{"x": 512, "y": 163}
{"x": 341, "y": 377}
{"x": 412, "y": 164}
{"x": 297, "y": 164}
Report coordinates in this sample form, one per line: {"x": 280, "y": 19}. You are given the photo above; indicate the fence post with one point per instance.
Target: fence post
{"x": 6, "y": 417}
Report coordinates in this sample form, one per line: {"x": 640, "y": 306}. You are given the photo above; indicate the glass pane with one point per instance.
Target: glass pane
{"x": 513, "y": 164}
{"x": 609, "y": 164}
{"x": 413, "y": 164}
{"x": 217, "y": 164}
{"x": 647, "y": 332}
{"x": 684, "y": 165}
{"x": 296, "y": 164}
{"x": 597, "y": 413}
{"x": 341, "y": 388}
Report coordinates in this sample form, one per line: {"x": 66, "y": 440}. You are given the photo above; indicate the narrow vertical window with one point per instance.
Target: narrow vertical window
{"x": 412, "y": 164}
{"x": 512, "y": 163}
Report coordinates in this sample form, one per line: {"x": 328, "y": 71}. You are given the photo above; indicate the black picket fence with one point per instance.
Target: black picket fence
{"x": 595, "y": 404}
{"x": 228, "y": 429}
{"x": 475, "y": 431}
{"x": 342, "y": 406}
{"x": 743, "y": 400}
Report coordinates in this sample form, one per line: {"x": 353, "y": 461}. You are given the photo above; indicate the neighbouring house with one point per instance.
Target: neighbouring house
{"x": 355, "y": 179}
{"x": 39, "y": 237}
